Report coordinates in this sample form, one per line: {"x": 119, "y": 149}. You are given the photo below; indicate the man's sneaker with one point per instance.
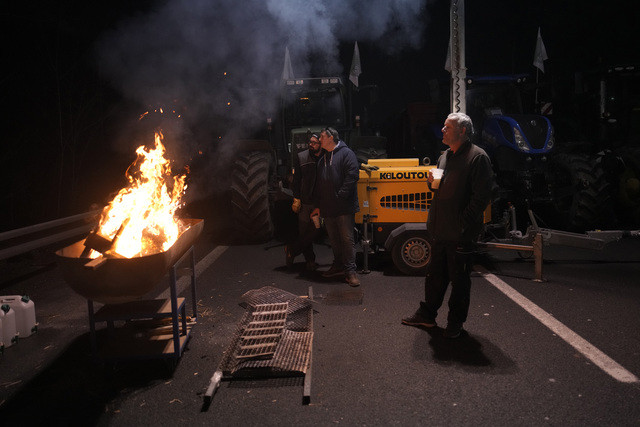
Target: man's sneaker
{"x": 419, "y": 320}
{"x": 288, "y": 257}
{"x": 452, "y": 331}
{"x": 311, "y": 266}
{"x": 352, "y": 279}
{"x": 333, "y": 272}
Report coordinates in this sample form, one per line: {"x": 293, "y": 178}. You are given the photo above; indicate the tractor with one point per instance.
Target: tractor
{"x": 567, "y": 189}
{"x": 601, "y": 116}
{"x": 261, "y": 169}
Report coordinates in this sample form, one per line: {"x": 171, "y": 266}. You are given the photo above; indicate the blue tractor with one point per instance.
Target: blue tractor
{"x": 567, "y": 191}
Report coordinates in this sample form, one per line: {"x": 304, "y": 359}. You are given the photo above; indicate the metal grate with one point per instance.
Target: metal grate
{"x": 292, "y": 355}
{"x": 260, "y": 337}
{"x": 273, "y": 337}
{"x": 265, "y": 345}
{"x": 271, "y": 295}
{"x": 298, "y": 313}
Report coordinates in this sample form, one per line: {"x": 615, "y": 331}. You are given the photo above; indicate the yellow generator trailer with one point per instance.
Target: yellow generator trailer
{"x": 394, "y": 201}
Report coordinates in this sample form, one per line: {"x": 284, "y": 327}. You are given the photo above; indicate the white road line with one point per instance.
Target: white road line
{"x": 589, "y": 351}
{"x": 201, "y": 266}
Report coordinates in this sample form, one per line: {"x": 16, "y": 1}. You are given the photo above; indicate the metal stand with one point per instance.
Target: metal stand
{"x": 366, "y": 245}
{"x": 145, "y": 333}
{"x": 535, "y": 248}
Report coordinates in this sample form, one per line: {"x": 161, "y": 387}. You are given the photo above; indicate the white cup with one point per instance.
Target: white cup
{"x": 316, "y": 220}
{"x": 437, "y": 176}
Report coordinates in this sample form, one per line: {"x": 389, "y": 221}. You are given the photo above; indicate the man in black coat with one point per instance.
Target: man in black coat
{"x": 304, "y": 179}
{"x": 454, "y": 224}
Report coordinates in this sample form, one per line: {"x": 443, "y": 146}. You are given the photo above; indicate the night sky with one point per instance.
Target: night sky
{"x": 77, "y": 75}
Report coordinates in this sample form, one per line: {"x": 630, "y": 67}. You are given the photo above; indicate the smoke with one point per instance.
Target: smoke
{"x": 219, "y": 62}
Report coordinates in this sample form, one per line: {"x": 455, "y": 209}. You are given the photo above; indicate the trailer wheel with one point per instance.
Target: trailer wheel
{"x": 411, "y": 253}
{"x": 250, "y": 197}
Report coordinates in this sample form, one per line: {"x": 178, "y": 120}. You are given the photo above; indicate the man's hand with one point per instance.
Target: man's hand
{"x": 314, "y": 212}
{"x": 368, "y": 168}
{"x": 295, "y": 206}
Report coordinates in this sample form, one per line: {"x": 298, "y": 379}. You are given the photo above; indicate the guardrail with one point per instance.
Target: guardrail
{"x": 39, "y": 235}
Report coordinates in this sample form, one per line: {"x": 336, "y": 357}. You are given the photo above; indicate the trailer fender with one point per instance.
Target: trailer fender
{"x": 410, "y": 226}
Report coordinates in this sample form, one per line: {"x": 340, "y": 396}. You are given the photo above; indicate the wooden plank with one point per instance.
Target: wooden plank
{"x": 126, "y": 345}
{"x": 142, "y": 309}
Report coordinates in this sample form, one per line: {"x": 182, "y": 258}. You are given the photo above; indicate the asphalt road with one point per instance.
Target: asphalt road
{"x": 561, "y": 352}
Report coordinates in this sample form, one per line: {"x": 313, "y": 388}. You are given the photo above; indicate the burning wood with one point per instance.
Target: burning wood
{"x": 141, "y": 219}
{"x": 138, "y": 237}
{"x": 119, "y": 279}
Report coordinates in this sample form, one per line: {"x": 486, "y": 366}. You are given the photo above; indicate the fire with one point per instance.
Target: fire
{"x": 141, "y": 218}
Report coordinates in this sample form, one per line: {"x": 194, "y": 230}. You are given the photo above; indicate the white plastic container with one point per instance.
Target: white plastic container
{"x": 9, "y": 333}
{"x": 25, "y": 314}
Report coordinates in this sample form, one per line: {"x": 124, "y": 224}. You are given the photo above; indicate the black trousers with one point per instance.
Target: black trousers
{"x": 307, "y": 233}
{"x": 451, "y": 262}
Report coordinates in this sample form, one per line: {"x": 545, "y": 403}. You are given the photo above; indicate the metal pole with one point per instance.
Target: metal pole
{"x": 458, "y": 66}
{"x": 194, "y": 298}
{"x": 537, "y": 254}
{"x": 365, "y": 245}
{"x": 174, "y": 311}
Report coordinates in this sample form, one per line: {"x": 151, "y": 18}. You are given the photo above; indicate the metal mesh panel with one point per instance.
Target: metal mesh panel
{"x": 292, "y": 355}
{"x": 298, "y": 313}
{"x": 257, "y": 347}
{"x": 271, "y": 295}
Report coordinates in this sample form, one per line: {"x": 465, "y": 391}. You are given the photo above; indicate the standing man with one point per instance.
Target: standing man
{"x": 454, "y": 224}
{"x": 337, "y": 200}
{"x": 304, "y": 179}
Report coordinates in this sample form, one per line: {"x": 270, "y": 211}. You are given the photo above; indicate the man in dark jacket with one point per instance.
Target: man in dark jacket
{"x": 337, "y": 200}
{"x": 454, "y": 224}
{"x": 304, "y": 179}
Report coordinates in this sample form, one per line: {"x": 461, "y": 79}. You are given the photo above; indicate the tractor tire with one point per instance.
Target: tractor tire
{"x": 251, "y": 216}
{"x": 628, "y": 186}
{"x": 411, "y": 253}
{"x": 580, "y": 192}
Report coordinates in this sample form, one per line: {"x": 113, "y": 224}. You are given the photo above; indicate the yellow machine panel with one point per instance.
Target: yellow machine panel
{"x": 395, "y": 193}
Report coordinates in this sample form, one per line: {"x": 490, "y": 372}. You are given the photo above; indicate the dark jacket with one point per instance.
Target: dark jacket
{"x": 336, "y": 178}
{"x": 456, "y": 212}
{"x": 304, "y": 176}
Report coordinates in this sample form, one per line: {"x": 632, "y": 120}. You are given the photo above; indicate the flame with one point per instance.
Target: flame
{"x": 141, "y": 218}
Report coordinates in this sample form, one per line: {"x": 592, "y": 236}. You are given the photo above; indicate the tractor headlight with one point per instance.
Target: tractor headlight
{"x": 520, "y": 142}
{"x": 552, "y": 140}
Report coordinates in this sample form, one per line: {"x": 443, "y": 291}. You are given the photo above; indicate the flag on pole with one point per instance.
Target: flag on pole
{"x": 356, "y": 68}
{"x": 541, "y": 53}
{"x": 287, "y": 71}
